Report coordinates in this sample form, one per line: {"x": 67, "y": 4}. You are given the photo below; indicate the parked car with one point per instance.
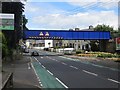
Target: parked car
{"x": 26, "y": 51}
{"x": 34, "y": 53}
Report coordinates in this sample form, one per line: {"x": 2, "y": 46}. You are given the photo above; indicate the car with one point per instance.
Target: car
{"x": 34, "y": 53}
{"x": 26, "y": 51}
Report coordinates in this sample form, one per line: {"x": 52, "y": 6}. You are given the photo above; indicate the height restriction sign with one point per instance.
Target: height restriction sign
{"x": 6, "y": 21}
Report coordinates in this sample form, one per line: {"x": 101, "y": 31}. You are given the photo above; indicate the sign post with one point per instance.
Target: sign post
{"x": 6, "y": 21}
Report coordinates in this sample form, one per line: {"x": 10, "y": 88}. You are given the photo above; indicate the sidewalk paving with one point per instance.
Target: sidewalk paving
{"x": 23, "y": 77}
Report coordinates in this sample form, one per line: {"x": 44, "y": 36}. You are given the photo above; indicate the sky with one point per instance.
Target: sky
{"x": 70, "y": 14}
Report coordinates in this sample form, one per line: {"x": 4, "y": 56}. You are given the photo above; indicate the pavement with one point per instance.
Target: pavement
{"x": 22, "y": 73}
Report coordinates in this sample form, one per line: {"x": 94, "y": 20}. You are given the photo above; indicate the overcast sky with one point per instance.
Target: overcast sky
{"x": 56, "y": 14}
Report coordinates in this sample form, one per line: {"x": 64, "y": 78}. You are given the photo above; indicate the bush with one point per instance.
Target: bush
{"x": 107, "y": 55}
{"x": 79, "y": 51}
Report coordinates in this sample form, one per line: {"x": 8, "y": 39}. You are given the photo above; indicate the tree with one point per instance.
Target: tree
{"x": 103, "y": 43}
{"x": 3, "y": 45}
{"x": 16, "y": 8}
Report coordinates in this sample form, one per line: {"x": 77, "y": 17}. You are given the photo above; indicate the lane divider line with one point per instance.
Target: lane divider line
{"x": 61, "y": 82}
{"x": 40, "y": 63}
{"x": 113, "y": 80}
{"x": 36, "y": 59}
{"x": 50, "y": 72}
{"x": 73, "y": 67}
{"x": 53, "y": 59}
{"x": 90, "y": 73}
{"x": 64, "y": 63}
{"x": 43, "y": 66}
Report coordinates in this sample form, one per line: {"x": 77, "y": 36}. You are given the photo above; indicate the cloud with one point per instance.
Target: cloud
{"x": 81, "y": 20}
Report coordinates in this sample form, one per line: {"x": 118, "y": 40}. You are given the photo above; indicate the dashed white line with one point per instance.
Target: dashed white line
{"x": 43, "y": 66}
{"x": 90, "y": 73}
{"x": 61, "y": 83}
{"x": 49, "y": 72}
{"x": 41, "y": 57}
{"x": 36, "y": 75}
{"x": 64, "y": 63}
{"x": 57, "y": 61}
{"x": 113, "y": 80}
{"x": 53, "y": 59}
{"x": 36, "y": 59}
{"x": 40, "y": 63}
{"x": 73, "y": 67}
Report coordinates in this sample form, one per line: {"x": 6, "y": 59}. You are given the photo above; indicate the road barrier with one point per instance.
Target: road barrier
{"x": 9, "y": 82}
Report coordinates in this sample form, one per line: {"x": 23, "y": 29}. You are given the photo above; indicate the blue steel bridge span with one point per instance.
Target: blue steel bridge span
{"x": 66, "y": 35}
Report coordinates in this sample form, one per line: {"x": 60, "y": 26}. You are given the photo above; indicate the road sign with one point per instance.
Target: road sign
{"x": 6, "y": 21}
{"x": 118, "y": 43}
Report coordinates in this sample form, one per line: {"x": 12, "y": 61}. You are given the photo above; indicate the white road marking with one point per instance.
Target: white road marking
{"x": 90, "y": 73}
{"x": 64, "y": 63}
{"x": 36, "y": 75}
{"x": 29, "y": 66}
{"x": 49, "y": 72}
{"x": 73, "y": 67}
{"x": 53, "y": 59}
{"x": 37, "y": 86}
{"x": 113, "y": 80}
{"x": 40, "y": 63}
{"x": 41, "y": 57}
{"x": 57, "y": 61}
{"x": 43, "y": 66}
{"x": 61, "y": 83}
{"x": 36, "y": 59}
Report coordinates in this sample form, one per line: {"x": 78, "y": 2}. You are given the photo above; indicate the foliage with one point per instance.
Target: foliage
{"x": 100, "y": 54}
{"x": 94, "y": 45}
{"x": 16, "y": 8}
{"x": 5, "y": 50}
{"x": 102, "y": 44}
{"x": 80, "y": 51}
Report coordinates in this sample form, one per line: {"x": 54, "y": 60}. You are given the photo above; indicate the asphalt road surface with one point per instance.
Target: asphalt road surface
{"x": 72, "y": 73}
